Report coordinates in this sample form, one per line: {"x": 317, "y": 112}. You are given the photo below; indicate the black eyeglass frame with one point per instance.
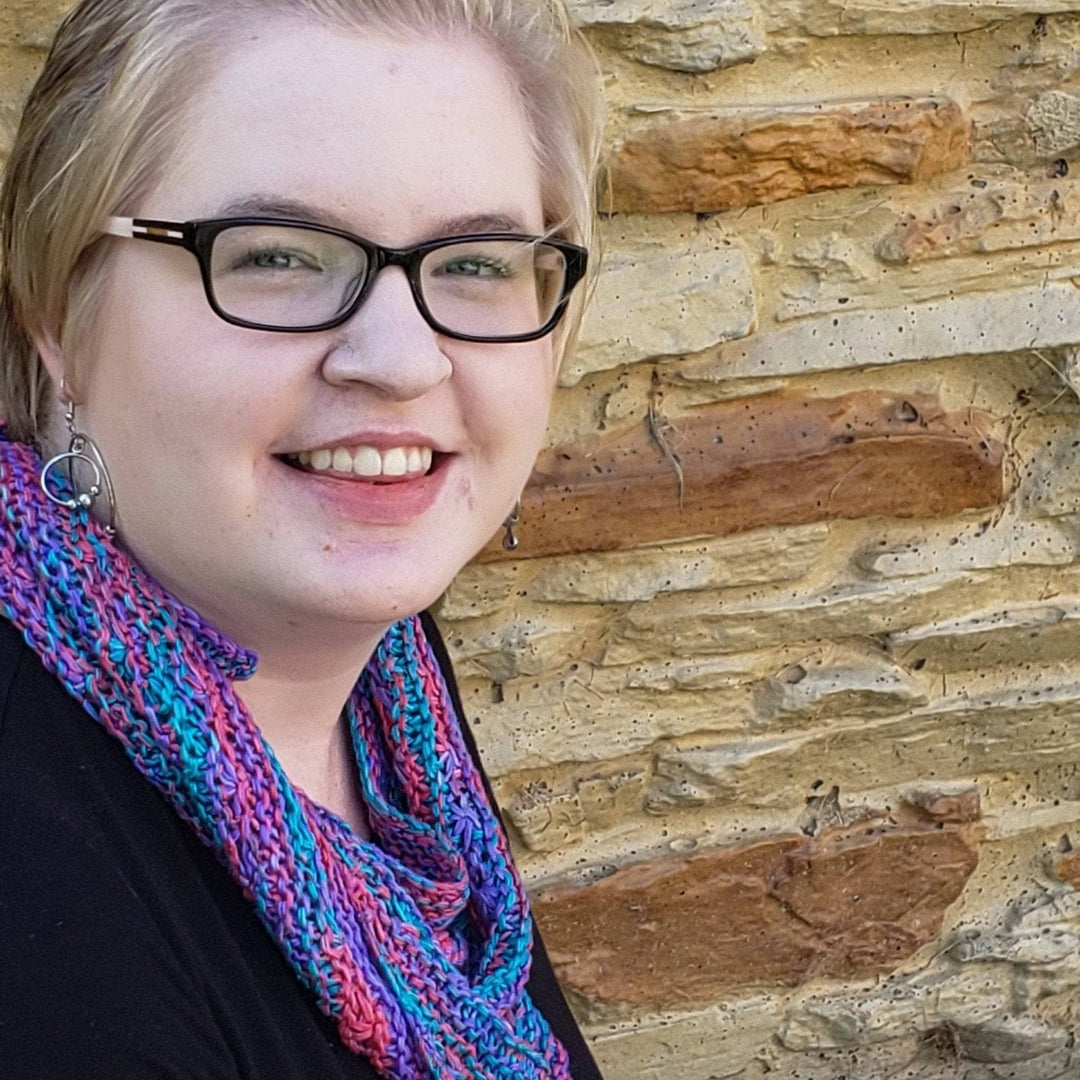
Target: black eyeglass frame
{"x": 198, "y": 237}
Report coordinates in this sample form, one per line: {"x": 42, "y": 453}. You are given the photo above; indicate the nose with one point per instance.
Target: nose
{"x": 387, "y": 344}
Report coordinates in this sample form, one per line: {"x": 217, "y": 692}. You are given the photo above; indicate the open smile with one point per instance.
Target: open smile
{"x": 381, "y": 466}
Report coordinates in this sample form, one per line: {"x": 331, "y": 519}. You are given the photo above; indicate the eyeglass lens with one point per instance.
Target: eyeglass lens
{"x": 284, "y": 276}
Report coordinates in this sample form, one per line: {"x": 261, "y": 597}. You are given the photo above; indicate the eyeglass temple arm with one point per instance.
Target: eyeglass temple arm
{"x": 164, "y": 232}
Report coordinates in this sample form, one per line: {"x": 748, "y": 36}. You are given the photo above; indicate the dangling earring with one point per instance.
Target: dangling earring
{"x": 83, "y": 449}
{"x": 510, "y": 541}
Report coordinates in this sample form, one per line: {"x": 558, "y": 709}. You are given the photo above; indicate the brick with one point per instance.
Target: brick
{"x": 851, "y": 903}
{"x": 682, "y": 35}
{"x": 976, "y": 324}
{"x": 781, "y": 459}
{"x": 744, "y": 158}
{"x": 665, "y": 289}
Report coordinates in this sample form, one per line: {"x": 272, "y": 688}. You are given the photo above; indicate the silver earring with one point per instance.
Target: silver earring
{"x": 81, "y": 448}
{"x": 510, "y": 541}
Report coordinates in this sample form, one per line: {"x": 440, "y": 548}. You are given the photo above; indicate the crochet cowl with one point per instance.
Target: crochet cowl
{"x": 418, "y": 943}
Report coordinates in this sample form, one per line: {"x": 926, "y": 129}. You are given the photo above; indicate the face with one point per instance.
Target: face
{"x": 212, "y": 432}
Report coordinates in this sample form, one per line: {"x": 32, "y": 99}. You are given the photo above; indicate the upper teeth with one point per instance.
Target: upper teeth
{"x": 368, "y": 461}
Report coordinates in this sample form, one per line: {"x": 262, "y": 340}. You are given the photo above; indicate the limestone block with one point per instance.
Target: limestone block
{"x": 991, "y": 723}
{"x": 836, "y": 680}
{"x": 511, "y": 646}
{"x": 1003, "y": 215}
{"x": 1049, "y": 447}
{"x": 708, "y": 1044}
{"x": 681, "y": 160}
{"x": 701, "y": 626}
{"x": 826, "y": 18}
{"x": 776, "y": 459}
{"x": 547, "y": 818}
{"x": 629, "y": 577}
{"x": 683, "y": 35}
{"x": 665, "y": 289}
{"x": 1044, "y": 632}
{"x": 1008, "y": 320}
{"x": 777, "y": 912}
{"x": 33, "y": 22}
{"x": 1053, "y": 121}
{"x": 980, "y": 544}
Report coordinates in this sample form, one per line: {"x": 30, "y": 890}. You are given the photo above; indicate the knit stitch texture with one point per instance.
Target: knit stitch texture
{"x": 418, "y": 943}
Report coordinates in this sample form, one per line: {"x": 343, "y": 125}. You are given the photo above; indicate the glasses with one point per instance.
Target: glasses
{"x": 297, "y": 277}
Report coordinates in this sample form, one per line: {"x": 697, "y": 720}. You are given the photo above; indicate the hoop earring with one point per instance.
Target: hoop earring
{"x": 510, "y": 541}
{"x": 83, "y": 449}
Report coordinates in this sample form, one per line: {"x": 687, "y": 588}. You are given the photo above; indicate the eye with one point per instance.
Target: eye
{"x": 276, "y": 259}
{"x": 474, "y": 266}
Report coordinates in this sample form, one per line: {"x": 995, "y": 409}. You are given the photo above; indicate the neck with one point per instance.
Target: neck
{"x": 297, "y": 698}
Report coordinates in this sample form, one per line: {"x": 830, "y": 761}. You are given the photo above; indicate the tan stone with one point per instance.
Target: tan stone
{"x": 35, "y": 21}
{"x": 780, "y": 911}
{"x": 981, "y": 726}
{"x": 705, "y": 163}
{"x": 1053, "y": 120}
{"x": 998, "y": 321}
{"x": 1049, "y": 449}
{"x": 752, "y": 558}
{"x": 827, "y": 18}
{"x": 1002, "y": 215}
{"x": 783, "y": 459}
{"x": 665, "y": 288}
{"x": 683, "y": 35}
{"x": 1043, "y": 632}
{"x": 984, "y": 543}
{"x": 833, "y": 681}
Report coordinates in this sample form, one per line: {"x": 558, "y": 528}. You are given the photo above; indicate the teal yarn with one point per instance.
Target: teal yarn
{"x": 417, "y": 943}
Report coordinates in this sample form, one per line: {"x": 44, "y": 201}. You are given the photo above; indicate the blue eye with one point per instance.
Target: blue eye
{"x": 475, "y": 266}
{"x": 276, "y": 259}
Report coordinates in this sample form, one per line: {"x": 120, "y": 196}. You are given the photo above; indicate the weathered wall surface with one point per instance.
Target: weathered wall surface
{"x": 782, "y": 692}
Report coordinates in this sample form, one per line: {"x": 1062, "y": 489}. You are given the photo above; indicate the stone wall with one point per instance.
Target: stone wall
{"x": 781, "y": 694}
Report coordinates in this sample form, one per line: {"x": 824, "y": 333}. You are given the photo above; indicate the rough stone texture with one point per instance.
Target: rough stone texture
{"x": 1053, "y": 120}
{"x": 730, "y": 468}
{"x": 781, "y": 911}
{"x": 826, "y": 18}
{"x": 714, "y": 162}
{"x": 663, "y": 292}
{"x": 684, "y": 35}
{"x": 1033, "y": 317}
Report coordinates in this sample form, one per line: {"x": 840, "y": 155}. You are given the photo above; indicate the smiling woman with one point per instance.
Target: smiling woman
{"x": 240, "y": 456}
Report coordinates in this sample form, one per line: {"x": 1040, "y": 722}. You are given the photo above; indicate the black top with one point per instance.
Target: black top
{"x": 126, "y": 950}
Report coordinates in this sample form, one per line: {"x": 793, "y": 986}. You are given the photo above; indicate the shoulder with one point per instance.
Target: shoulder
{"x": 92, "y": 987}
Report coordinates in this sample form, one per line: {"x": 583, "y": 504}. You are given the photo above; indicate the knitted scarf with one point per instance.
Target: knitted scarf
{"x": 418, "y": 943}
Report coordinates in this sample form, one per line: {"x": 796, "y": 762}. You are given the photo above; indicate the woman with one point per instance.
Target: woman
{"x": 286, "y": 286}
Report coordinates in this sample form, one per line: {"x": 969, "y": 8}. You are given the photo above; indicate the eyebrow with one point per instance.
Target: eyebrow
{"x": 269, "y": 206}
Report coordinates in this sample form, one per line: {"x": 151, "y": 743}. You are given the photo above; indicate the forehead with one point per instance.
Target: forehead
{"x": 385, "y": 135}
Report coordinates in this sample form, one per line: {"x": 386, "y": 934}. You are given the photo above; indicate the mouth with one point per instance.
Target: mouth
{"x": 370, "y": 464}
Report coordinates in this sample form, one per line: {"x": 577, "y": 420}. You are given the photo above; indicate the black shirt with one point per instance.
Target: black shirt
{"x": 126, "y": 949}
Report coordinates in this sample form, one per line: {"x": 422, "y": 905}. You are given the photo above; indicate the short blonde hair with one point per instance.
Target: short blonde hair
{"x": 106, "y": 112}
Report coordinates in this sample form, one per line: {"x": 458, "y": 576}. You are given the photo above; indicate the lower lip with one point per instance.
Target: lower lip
{"x": 395, "y": 503}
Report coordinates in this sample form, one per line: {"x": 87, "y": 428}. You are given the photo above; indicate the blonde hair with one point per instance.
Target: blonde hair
{"x": 107, "y": 110}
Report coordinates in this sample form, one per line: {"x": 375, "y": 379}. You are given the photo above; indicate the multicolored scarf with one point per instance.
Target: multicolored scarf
{"x": 418, "y": 943}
